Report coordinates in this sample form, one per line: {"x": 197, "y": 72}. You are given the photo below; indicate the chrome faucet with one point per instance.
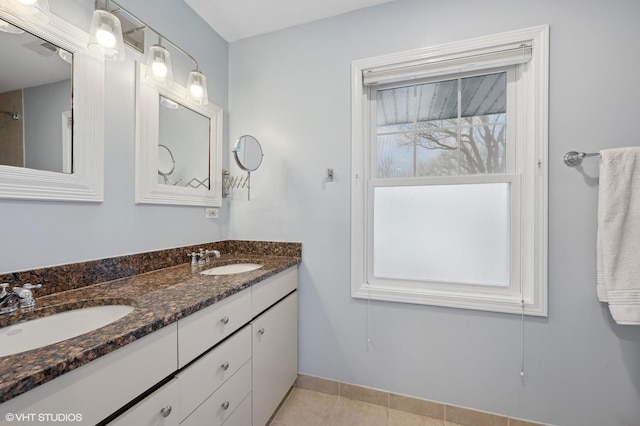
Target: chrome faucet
{"x": 18, "y": 296}
{"x": 202, "y": 257}
{"x": 8, "y": 300}
{"x": 27, "y": 299}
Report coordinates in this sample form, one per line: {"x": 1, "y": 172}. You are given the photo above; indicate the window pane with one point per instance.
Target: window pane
{"x": 483, "y": 95}
{"x": 443, "y": 233}
{"x": 450, "y": 139}
{"x": 437, "y": 102}
{"x": 395, "y": 155}
{"x": 482, "y": 149}
{"x": 437, "y": 153}
{"x": 395, "y": 109}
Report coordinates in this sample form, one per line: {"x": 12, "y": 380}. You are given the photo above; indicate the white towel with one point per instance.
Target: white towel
{"x": 618, "y": 240}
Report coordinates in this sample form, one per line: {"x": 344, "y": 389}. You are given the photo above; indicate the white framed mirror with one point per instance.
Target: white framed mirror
{"x": 178, "y": 146}
{"x": 64, "y": 123}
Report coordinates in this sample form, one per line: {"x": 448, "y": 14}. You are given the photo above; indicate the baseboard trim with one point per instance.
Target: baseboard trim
{"x": 448, "y": 413}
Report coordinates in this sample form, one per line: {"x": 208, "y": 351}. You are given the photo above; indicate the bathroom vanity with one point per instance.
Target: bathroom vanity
{"x": 216, "y": 347}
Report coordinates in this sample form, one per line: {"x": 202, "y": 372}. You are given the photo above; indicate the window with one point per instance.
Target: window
{"x": 449, "y": 150}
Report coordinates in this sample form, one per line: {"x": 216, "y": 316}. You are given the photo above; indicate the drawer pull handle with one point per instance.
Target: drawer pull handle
{"x": 225, "y": 320}
{"x": 261, "y": 331}
{"x": 225, "y": 405}
{"x": 225, "y": 366}
{"x": 165, "y": 411}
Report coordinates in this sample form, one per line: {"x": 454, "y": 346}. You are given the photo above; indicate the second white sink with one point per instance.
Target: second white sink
{"x": 234, "y": 268}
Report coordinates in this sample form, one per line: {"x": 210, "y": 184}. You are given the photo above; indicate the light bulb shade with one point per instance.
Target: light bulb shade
{"x": 38, "y": 8}
{"x": 197, "y": 88}
{"x": 159, "y": 65}
{"x": 8, "y": 28}
{"x": 106, "y": 35}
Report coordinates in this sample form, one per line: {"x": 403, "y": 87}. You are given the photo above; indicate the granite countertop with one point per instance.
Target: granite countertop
{"x": 160, "y": 298}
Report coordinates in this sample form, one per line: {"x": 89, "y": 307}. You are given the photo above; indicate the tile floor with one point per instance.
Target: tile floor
{"x": 304, "y": 407}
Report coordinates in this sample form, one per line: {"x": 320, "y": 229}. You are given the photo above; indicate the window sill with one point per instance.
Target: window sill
{"x": 533, "y": 306}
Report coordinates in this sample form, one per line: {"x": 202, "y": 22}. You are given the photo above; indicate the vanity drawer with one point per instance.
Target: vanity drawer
{"x": 219, "y": 406}
{"x": 158, "y": 409}
{"x": 202, "y": 378}
{"x": 267, "y": 292}
{"x": 202, "y": 330}
{"x": 242, "y": 415}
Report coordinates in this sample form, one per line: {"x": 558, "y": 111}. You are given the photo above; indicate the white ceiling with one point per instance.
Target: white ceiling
{"x": 238, "y": 19}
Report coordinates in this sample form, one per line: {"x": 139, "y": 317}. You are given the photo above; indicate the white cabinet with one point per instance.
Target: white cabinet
{"x": 275, "y": 357}
{"x": 227, "y": 368}
{"x": 265, "y": 293}
{"x": 198, "y": 332}
{"x": 158, "y": 409}
{"x": 98, "y": 389}
{"x": 242, "y": 415}
{"x": 201, "y": 379}
{"x": 220, "y": 406}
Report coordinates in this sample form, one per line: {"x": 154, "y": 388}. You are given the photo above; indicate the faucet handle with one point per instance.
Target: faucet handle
{"x": 193, "y": 255}
{"x": 29, "y": 286}
{"x": 4, "y": 292}
{"x": 216, "y": 253}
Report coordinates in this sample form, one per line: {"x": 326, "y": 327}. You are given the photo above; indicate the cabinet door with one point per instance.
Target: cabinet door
{"x": 158, "y": 409}
{"x": 275, "y": 357}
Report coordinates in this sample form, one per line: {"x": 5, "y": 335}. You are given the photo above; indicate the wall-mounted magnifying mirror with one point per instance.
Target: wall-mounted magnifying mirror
{"x": 248, "y": 153}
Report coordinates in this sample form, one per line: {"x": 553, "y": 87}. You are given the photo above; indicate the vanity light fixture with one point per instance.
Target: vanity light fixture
{"x": 106, "y": 34}
{"x": 159, "y": 64}
{"x": 197, "y": 87}
{"x": 159, "y": 60}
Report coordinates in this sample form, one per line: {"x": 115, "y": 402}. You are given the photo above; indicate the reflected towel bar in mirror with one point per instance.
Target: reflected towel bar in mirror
{"x": 574, "y": 158}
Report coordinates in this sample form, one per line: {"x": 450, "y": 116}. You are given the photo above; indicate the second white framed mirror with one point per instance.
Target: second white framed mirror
{"x": 178, "y": 146}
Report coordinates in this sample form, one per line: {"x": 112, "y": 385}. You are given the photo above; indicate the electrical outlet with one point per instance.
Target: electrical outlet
{"x": 211, "y": 213}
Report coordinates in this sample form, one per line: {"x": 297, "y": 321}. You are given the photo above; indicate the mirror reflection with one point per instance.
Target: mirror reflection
{"x": 35, "y": 102}
{"x": 183, "y": 146}
{"x": 248, "y": 153}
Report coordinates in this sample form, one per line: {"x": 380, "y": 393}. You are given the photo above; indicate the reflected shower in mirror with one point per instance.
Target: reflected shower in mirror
{"x": 183, "y": 140}
{"x": 36, "y": 130}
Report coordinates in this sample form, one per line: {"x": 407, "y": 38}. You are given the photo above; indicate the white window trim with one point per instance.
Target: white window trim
{"x": 534, "y": 210}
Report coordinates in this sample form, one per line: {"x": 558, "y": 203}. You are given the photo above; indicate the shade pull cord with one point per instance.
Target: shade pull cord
{"x": 368, "y": 315}
{"x": 522, "y": 338}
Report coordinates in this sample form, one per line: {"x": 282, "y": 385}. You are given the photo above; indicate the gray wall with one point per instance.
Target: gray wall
{"x": 291, "y": 89}
{"x": 37, "y": 234}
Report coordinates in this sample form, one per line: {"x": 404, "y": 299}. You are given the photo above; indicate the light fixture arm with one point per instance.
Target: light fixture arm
{"x": 120, "y": 9}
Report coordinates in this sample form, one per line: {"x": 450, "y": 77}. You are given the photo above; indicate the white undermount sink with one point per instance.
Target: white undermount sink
{"x": 55, "y": 328}
{"x": 234, "y": 268}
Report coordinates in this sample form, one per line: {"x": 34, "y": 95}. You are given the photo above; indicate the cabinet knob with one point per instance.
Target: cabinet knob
{"x": 225, "y": 320}
{"x": 225, "y": 366}
{"x": 165, "y": 411}
{"x": 225, "y": 405}
{"x": 261, "y": 331}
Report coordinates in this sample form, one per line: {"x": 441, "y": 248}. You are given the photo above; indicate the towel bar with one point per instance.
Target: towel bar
{"x": 574, "y": 158}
